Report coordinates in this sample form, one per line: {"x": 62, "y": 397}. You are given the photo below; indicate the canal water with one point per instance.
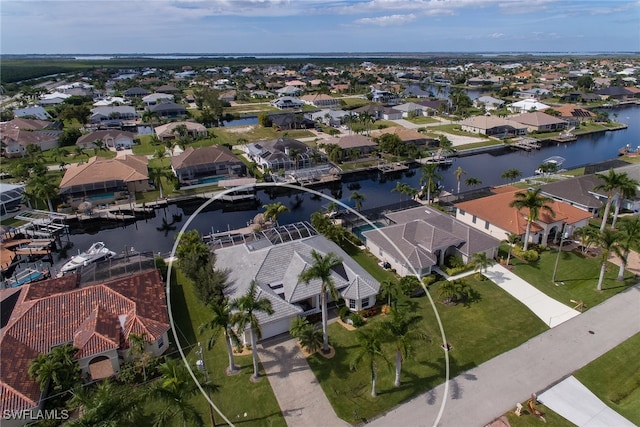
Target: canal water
{"x": 157, "y": 234}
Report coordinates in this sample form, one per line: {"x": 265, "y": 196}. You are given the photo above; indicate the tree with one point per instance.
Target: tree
{"x": 511, "y": 174}
{"x": 626, "y": 190}
{"x": 107, "y": 404}
{"x": 321, "y": 269}
{"x": 588, "y": 236}
{"x": 391, "y": 290}
{"x": 429, "y": 177}
{"x": 609, "y": 241}
{"x": 56, "y": 371}
{"x": 402, "y": 329}
{"x": 222, "y": 321}
{"x": 534, "y": 202}
{"x": 193, "y": 254}
{"x": 175, "y": 391}
{"x": 273, "y": 211}
{"x": 247, "y": 307}
{"x": 480, "y": 262}
{"x": 138, "y": 352}
{"x": 210, "y": 105}
{"x": 156, "y": 174}
{"x": 309, "y": 336}
{"x": 358, "y": 198}
{"x": 40, "y": 187}
{"x": 585, "y": 82}
{"x": 612, "y": 182}
{"x": 69, "y": 137}
{"x": 458, "y": 173}
{"x": 454, "y": 291}
{"x": 472, "y": 182}
{"x": 512, "y": 240}
{"x": 629, "y": 228}
{"x": 370, "y": 352}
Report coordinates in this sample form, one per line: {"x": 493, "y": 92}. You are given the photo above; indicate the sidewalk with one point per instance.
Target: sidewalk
{"x": 551, "y": 312}
{"x": 478, "y": 396}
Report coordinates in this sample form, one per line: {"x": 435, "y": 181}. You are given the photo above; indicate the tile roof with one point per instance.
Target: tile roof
{"x": 537, "y": 118}
{"x": 128, "y": 168}
{"x": 104, "y": 134}
{"x": 203, "y": 156}
{"x": 489, "y": 122}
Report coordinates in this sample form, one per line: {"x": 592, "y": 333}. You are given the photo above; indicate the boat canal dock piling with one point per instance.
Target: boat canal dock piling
{"x": 526, "y": 144}
{"x": 392, "y": 167}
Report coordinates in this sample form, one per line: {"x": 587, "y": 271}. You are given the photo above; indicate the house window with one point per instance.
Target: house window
{"x": 461, "y": 211}
{"x": 473, "y": 220}
{"x": 352, "y": 304}
{"x": 160, "y": 342}
{"x": 486, "y": 225}
{"x": 365, "y": 302}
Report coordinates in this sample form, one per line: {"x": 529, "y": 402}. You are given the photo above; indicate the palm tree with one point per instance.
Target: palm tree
{"x": 138, "y": 352}
{"x": 609, "y": 241}
{"x": 588, "y": 236}
{"x": 370, "y": 352}
{"x": 273, "y": 211}
{"x": 472, "y": 182}
{"x": 402, "y": 328}
{"x": 458, "y": 173}
{"x": 429, "y": 176}
{"x": 321, "y": 269}
{"x": 612, "y": 182}
{"x": 511, "y": 174}
{"x": 534, "y": 201}
{"x": 512, "y": 239}
{"x": 247, "y": 307}
{"x": 222, "y": 321}
{"x": 629, "y": 227}
{"x": 79, "y": 151}
{"x": 627, "y": 190}
{"x": 156, "y": 174}
{"x": 310, "y": 338}
{"x": 358, "y": 198}
{"x": 175, "y": 391}
{"x": 107, "y": 404}
{"x": 480, "y": 262}
{"x": 40, "y": 187}
{"x": 57, "y": 370}
{"x": 391, "y": 290}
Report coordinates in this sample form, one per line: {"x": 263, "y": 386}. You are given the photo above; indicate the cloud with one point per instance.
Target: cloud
{"x": 497, "y": 36}
{"x": 385, "y": 21}
{"x": 517, "y": 7}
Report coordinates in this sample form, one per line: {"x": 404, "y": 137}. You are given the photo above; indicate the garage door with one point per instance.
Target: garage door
{"x": 278, "y": 327}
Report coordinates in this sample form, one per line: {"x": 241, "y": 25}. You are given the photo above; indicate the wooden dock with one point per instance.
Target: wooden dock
{"x": 526, "y": 144}
{"x": 392, "y": 167}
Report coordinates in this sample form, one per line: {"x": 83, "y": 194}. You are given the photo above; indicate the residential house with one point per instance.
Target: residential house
{"x": 104, "y": 181}
{"x": 538, "y": 121}
{"x": 228, "y": 95}
{"x": 169, "y": 110}
{"x": 489, "y": 102}
{"x": 384, "y": 97}
{"x": 534, "y": 93}
{"x": 51, "y": 99}
{"x": 197, "y": 164}
{"x": 277, "y": 154}
{"x": 493, "y": 126}
{"x": 433, "y": 107}
{"x": 136, "y": 92}
{"x": 408, "y": 136}
{"x": 320, "y": 100}
{"x": 493, "y": 215}
{"x": 110, "y": 100}
{"x": 17, "y": 134}
{"x": 421, "y": 238}
{"x": 414, "y": 91}
{"x": 99, "y": 320}
{"x": 410, "y": 109}
{"x": 289, "y": 91}
{"x": 38, "y": 113}
{"x": 113, "y": 115}
{"x": 577, "y": 192}
{"x": 527, "y": 105}
{"x": 167, "y": 89}
{"x": 328, "y": 117}
{"x": 574, "y": 114}
{"x": 618, "y": 93}
{"x": 262, "y": 94}
{"x": 157, "y": 97}
{"x": 287, "y": 103}
{"x": 171, "y": 130}
{"x": 275, "y": 265}
{"x": 350, "y": 143}
{"x": 290, "y": 121}
{"x": 112, "y": 139}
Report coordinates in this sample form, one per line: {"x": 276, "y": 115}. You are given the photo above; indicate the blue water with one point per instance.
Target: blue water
{"x": 362, "y": 228}
{"x": 209, "y": 180}
{"x": 101, "y": 196}
{"x": 145, "y": 236}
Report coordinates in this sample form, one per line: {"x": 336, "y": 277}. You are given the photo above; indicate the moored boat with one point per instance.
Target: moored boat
{"x": 96, "y": 252}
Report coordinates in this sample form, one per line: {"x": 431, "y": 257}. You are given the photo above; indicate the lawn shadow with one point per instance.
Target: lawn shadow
{"x": 337, "y": 366}
{"x": 182, "y": 318}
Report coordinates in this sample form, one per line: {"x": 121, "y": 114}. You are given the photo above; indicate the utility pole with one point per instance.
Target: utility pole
{"x": 565, "y": 233}
{"x": 200, "y": 363}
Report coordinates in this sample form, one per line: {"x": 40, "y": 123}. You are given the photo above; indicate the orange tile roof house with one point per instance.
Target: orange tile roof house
{"x": 105, "y": 180}
{"x": 494, "y": 216}
{"x": 541, "y": 122}
{"x": 199, "y": 163}
{"x": 16, "y": 134}
{"x": 98, "y": 320}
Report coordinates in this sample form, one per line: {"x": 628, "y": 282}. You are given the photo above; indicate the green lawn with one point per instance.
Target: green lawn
{"x": 422, "y": 120}
{"x": 615, "y": 378}
{"x": 237, "y": 394}
{"x": 369, "y": 263}
{"x": 490, "y": 326}
{"x": 579, "y": 275}
{"x": 528, "y": 420}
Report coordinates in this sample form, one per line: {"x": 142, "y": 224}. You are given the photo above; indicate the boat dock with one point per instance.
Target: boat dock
{"x": 438, "y": 158}
{"x": 34, "y": 247}
{"x": 526, "y": 144}
{"x": 392, "y": 167}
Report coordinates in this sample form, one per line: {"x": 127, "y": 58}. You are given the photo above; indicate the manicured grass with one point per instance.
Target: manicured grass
{"x": 422, "y": 120}
{"x": 452, "y": 129}
{"x": 578, "y": 273}
{"x": 237, "y": 394}
{"x": 615, "y": 378}
{"x": 486, "y": 143}
{"x": 526, "y": 419}
{"x": 369, "y": 263}
{"x": 490, "y": 326}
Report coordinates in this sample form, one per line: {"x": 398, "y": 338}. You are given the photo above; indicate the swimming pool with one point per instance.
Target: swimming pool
{"x": 365, "y": 227}
{"x": 211, "y": 180}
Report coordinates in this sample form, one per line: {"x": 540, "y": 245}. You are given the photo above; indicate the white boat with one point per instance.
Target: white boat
{"x": 554, "y": 163}
{"x": 96, "y": 252}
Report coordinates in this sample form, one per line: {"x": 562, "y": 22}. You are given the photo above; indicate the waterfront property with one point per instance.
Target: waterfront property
{"x": 112, "y": 115}
{"x": 112, "y": 139}
{"x": 493, "y": 215}
{"x": 282, "y": 153}
{"x": 537, "y": 121}
{"x": 493, "y": 126}
{"x": 275, "y": 258}
{"x": 422, "y": 238}
{"x": 172, "y": 130}
{"x": 352, "y": 143}
{"x": 99, "y": 320}
{"x": 104, "y": 181}
{"x": 197, "y": 164}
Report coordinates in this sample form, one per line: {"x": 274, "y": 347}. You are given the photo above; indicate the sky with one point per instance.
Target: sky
{"x": 317, "y": 26}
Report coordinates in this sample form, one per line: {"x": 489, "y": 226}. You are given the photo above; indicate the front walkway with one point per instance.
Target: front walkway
{"x": 578, "y": 404}
{"x": 551, "y": 312}
{"x": 301, "y": 399}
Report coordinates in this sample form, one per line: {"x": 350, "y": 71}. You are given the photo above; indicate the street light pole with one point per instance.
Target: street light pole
{"x": 200, "y": 352}
{"x": 565, "y": 232}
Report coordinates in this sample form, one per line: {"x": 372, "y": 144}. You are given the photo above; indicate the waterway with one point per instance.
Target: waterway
{"x": 149, "y": 234}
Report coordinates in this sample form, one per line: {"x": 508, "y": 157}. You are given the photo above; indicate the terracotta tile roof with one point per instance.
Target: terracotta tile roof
{"x": 537, "y": 118}
{"x": 497, "y": 211}
{"x": 570, "y": 110}
{"x": 404, "y": 133}
{"x": 127, "y": 168}
{"x": 95, "y": 318}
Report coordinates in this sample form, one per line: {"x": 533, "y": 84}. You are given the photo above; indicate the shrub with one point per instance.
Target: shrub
{"x": 530, "y": 255}
{"x": 454, "y": 261}
{"x": 356, "y": 320}
{"x": 344, "y": 313}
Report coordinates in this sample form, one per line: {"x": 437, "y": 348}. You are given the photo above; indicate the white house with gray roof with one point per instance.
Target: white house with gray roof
{"x": 276, "y": 266}
{"x": 421, "y": 238}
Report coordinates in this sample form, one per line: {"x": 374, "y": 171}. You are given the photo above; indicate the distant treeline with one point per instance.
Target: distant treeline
{"x": 17, "y": 68}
